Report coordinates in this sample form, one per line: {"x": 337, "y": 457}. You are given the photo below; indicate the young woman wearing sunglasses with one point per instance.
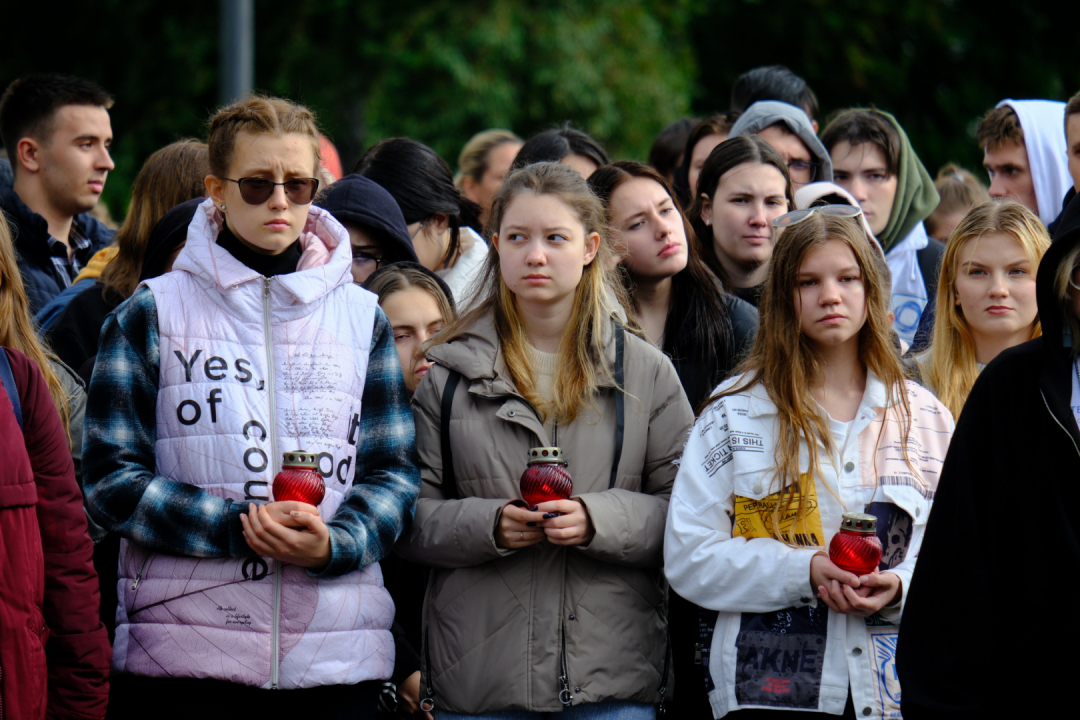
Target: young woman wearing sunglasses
{"x": 257, "y": 344}
{"x": 822, "y": 423}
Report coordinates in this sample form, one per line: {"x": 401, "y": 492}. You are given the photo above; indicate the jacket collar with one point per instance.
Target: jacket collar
{"x": 325, "y": 263}
{"x": 478, "y": 356}
{"x": 875, "y": 398}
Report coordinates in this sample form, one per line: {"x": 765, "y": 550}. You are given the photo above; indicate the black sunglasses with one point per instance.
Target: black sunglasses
{"x": 257, "y": 190}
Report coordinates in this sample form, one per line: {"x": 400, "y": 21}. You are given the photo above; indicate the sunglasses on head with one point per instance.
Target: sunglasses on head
{"x": 797, "y": 216}
{"x": 257, "y": 190}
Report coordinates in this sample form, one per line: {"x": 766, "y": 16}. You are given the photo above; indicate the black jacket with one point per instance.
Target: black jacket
{"x": 31, "y": 234}
{"x": 700, "y": 376}
{"x": 988, "y": 623}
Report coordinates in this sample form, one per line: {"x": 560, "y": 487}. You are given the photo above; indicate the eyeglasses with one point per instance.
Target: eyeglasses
{"x": 365, "y": 259}
{"x": 417, "y": 231}
{"x": 797, "y": 216}
{"x": 802, "y": 171}
{"x": 257, "y": 190}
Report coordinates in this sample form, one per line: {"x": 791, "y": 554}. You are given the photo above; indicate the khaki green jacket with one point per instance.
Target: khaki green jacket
{"x": 504, "y": 627}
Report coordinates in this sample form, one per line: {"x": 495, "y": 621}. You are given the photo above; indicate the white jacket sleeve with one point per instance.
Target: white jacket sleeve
{"x": 703, "y": 562}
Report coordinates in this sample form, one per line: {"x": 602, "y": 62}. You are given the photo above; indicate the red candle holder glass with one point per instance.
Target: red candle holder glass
{"x": 856, "y": 548}
{"x": 299, "y": 479}
{"x": 546, "y": 477}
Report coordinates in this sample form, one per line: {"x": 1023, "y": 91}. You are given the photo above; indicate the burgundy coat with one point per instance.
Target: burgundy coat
{"x": 54, "y": 651}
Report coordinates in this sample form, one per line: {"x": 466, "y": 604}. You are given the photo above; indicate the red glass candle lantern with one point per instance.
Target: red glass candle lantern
{"x": 856, "y": 548}
{"x": 546, "y": 477}
{"x": 299, "y": 479}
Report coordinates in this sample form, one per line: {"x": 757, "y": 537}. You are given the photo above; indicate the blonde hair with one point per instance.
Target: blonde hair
{"x": 170, "y": 176}
{"x": 784, "y": 363}
{"x": 598, "y": 294}
{"x": 258, "y": 116}
{"x": 950, "y": 368}
{"x": 473, "y": 161}
{"x": 17, "y": 328}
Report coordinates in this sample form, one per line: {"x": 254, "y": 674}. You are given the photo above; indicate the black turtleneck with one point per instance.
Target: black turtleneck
{"x": 266, "y": 265}
{"x": 751, "y": 295}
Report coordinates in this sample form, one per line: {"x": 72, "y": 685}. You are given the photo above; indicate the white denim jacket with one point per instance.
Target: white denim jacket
{"x": 774, "y": 644}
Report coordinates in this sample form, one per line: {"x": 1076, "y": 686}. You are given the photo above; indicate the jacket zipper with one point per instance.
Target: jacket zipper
{"x": 565, "y": 697}
{"x": 662, "y": 710}
{"x": 276, "y": 634}
{"x": 1064, "y": 429}
{"x": 138, "y": 575}
{"x": 427, "y": 703}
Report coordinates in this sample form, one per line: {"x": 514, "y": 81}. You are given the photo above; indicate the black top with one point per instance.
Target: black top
{"x": 266, "y": 265}
{"x": 972, "y": 641}
{"x": 74, "y": 336}
{"x": 700, "y": 376}
{"x": 751, "y": 295}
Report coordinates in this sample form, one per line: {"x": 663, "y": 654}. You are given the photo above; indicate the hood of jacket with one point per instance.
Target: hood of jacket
{"x": 916, "y": 196}
{"x": 766, "y": 113}
{"x": 325, "y": 260}
{"x": 1043, "y": 123}
{"x": 363, "y": 202}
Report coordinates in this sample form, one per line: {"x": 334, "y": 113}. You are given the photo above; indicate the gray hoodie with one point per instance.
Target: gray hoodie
{"x": 766, "y": 113}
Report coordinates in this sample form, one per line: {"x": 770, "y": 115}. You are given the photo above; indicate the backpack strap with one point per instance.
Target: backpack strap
{"x": 620, "y": 401}
{"x": 9, "y": 385}
{"x": 929, "y": 259}
{"x": 449, "y": 480}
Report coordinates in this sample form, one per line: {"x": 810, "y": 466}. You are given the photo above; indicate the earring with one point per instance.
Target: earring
{"x": 222, "y": 206}
{"x": 708, "y": 221}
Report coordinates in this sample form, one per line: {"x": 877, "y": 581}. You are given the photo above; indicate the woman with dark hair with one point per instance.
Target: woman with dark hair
{"x": 171, "y": 175}
{"x": 563, "y": 145}
{"x": 744, "y": 186}
{"x": 684, "y": 311}
{"x": 445, "y": 227}
{"x": 709, "y": 133}
{"x": 677, "y": 301}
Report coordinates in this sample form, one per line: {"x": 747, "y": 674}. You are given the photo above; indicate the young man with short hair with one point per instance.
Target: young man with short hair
{"x": 57, "y": 132}
{"x": 774, "y": 82}
{"x": 1072, "y": 145}
{"x": 1024, "y": 154}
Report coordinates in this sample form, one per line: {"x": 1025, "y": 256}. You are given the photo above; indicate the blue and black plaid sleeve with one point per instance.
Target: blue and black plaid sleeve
{"x": 387, "y": 481}
{"x": 122, "y": 492}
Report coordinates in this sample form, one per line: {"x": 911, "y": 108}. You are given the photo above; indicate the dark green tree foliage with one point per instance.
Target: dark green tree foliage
{"x": 621, "y": 70}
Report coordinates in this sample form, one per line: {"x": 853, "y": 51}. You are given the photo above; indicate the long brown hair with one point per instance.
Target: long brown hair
{"x": 598, "y": 294}
{"x": 785, "y": 364}
{"x": 724, "y": 158}
{"x": 698, "y": 321}
{"x": 173, "y": 174}
{"x": 951, "y": 366}
{"x": 17, "y": 327}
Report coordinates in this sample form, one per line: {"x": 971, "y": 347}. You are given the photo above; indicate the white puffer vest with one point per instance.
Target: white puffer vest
{"x": 252, "y": 368}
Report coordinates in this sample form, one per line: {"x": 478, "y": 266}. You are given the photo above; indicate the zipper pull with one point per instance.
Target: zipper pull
{"x": 138, "y": 577}
{"x": 698, "y": 648}
{"x": 565, "y": 697}
{"x": 266, "y": 286}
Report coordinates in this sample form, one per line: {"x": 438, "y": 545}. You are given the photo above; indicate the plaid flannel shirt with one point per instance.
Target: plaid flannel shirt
{"x": 166, "y": 515}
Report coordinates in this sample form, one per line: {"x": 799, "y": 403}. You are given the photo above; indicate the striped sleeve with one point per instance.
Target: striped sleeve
{"x": 123, "y": 494}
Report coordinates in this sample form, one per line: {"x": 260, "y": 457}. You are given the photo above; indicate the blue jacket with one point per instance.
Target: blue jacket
{"x": 30, "y": 232}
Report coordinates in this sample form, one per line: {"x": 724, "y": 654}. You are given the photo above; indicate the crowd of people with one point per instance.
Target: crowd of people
{"x": 709, "y": 364}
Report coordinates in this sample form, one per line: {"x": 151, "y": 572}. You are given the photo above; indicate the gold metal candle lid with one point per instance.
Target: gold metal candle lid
{"x": 546, "y": 454}
{"x": 299, "y": 458}
{"x": 859, "y": 522}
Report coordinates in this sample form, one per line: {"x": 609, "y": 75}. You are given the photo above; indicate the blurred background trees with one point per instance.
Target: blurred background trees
{"x": 440, "y": 71}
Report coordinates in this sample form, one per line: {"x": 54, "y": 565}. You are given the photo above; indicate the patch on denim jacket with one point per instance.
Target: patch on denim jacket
{"x": 780, "y": 657}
